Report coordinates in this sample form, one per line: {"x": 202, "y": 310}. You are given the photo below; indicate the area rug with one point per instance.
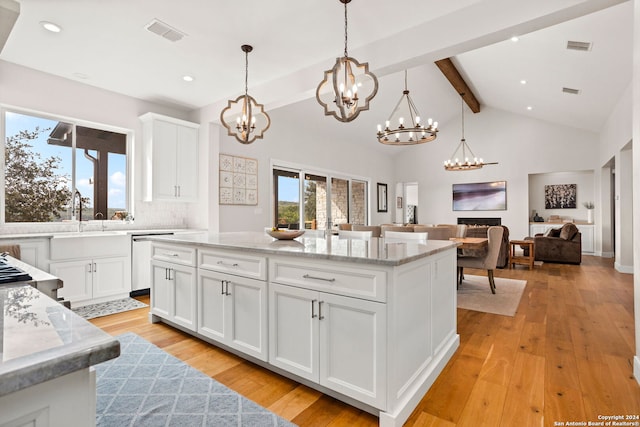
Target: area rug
{"x": 110, "y": 307}
{"x": 147, "y": 386}
{"x": 475, "y": 294}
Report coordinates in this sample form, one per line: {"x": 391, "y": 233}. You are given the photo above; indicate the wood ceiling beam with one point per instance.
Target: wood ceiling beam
{"x": 453, "y": 75}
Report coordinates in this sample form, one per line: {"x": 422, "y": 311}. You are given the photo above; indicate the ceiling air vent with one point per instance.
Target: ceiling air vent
{"x": 160, "y": 28}
{"x": 582, "y": 46}
{"x": 571, "y": 91}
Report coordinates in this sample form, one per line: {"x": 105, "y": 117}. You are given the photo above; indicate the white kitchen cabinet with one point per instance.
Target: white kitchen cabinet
{"x": 173, "y": 285}
{"x": 336, "y": 341}
{"x": 170, "y": 148}
{"x": 233, "y": 311}
{"x": 92, "y": 280}
{"x": 586, "y": 230}
{"x": 34, "y": 252}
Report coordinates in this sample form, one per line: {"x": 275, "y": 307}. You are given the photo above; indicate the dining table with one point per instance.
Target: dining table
{"x": 471, "y": 242}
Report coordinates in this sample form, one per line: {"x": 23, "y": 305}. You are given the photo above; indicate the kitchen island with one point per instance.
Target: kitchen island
{"x": 46, "y": 355}
{"x": 370, "y": 322}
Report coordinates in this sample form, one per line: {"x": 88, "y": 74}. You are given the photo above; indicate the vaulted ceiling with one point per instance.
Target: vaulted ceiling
{"x": 106, "y": 44}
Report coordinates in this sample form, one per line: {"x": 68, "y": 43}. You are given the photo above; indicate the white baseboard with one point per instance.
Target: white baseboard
{"x": 627, "y": 269}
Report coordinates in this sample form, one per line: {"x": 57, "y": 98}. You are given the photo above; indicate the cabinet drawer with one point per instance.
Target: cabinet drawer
{"x": 233, "y": 263}
{"x": 184, "y": 255}
{"x": 331, "y": 277}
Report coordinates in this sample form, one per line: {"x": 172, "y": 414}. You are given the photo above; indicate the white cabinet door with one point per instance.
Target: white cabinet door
{"x": 587, "y": 237}
{"x": 336, "y": 341}
{"x": 187, "y": 163}
{"x": 352, "y": 344}
{"x": 170, "y": 158}
{"x": 293, "y": 330}
{"x": 164, "y": 160}
{"x": 233, "y": 311}
{"x": 76, "y": 278}
{"x": 109, "y": 276}
{"x": 184, "y": 295}
{"x": 161, "y": 290}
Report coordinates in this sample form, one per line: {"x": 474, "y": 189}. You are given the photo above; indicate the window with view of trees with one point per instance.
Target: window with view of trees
{"x": 327, "y": 201}
{"x": 46, "y": 161}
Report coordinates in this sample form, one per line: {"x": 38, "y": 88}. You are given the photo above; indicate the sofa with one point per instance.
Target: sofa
{"x": 481, "y": 231}
{"x": 561, "y": 245}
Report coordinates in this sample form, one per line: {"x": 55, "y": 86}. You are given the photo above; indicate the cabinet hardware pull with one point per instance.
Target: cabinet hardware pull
{"x": 90, "y": 269}
{"x": 313, "y": 308}
{"x": 222, "y": 287}
{"x": 307, "y": 276}
{"x": 169, "y": 274}
{"x": 173, "y": 254}
{"x": 320, "y": 316}
{"x": 227, "y": 293}
{"x": 95, "y": 267}
{"x": 179, "y": 192}
{"x": 235, "y": 264}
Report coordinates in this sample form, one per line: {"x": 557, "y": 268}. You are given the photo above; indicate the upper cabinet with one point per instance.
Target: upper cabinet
{"x": 170, "y": 156}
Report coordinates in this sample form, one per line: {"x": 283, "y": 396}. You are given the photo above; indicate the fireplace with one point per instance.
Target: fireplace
{"x": 480, "y": 221}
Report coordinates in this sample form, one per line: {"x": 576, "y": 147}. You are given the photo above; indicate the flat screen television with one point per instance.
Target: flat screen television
{"x": 480, "y": 196}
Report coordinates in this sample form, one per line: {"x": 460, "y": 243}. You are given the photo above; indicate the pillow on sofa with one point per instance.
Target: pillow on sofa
{"x": 568, "y": 231}
{"x": 552, "y": 232}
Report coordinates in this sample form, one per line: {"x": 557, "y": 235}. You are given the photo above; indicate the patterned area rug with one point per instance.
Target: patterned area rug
{"x": 105, "y": 308}
{"x": 146, "y": 386}
{"x": 475, "y": 294}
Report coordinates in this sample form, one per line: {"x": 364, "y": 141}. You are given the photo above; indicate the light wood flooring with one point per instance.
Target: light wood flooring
{"x": 566, "y": 356}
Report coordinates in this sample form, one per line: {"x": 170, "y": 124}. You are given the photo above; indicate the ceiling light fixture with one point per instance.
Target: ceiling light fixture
{"x": 463, "y": 151}
{"x": 244, "y": 118}
{"x": 50, "y": 26}
{"x": 412, "y": 132}
{"x": 187, "y": 78}
{"x": 343, "y": 87}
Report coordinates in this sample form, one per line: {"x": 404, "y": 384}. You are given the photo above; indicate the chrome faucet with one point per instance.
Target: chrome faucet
{"x": 78, "y": 196}
{"x": 101, "y": 219}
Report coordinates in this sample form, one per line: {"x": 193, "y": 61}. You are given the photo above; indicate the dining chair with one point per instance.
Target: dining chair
{"x": 395, "y": 228}
{"x": 401, "y": 235}
{"x": 435, "y": 233}
{"x": 350, "y": 234}
{"x": 487, "y": 261}
{"x": 375, "y": 229}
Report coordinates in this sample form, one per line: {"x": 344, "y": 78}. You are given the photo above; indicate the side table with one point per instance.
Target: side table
{"x": 521, "y": 259}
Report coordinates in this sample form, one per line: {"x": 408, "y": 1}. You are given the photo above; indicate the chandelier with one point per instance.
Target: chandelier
{"x": 459, "y": 161}
{"x": 410, "y": 130}
{"x": 345, "y": 85}
{"x": 244, "y": 118}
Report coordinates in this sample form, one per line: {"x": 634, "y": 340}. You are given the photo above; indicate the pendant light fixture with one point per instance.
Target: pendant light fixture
{"x": 459, "y": 161}
{"x": 348, "y": 87}
{"x": 410, "y": 130}
{"x": 244, "y": 118}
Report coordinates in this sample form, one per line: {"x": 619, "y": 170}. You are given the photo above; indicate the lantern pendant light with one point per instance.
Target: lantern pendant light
{"x": 243, "y": 117}
{"x": 348, "y": 87}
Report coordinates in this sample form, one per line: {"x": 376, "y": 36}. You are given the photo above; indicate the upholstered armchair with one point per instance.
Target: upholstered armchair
{"x": 562, "y": 245}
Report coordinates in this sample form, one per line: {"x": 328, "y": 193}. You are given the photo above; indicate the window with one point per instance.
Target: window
{"x": 47, "y": 160}
{"x": 324, "y": 206}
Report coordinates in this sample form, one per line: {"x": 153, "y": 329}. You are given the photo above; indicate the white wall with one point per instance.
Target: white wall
{"x": 585, "y": 192}
{"x": 522, "y": 146}
{"x": 298, "y": 135}
{"x": 40, "y": 92}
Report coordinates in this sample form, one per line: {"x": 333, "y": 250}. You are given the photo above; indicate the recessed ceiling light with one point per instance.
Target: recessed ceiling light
{"x": 187, "y": 78}
{"x": 50, "y": 26}
{"x": 523, "y": 82}
{"x": 514, "y": 39}
{"x": 529, "y": 107}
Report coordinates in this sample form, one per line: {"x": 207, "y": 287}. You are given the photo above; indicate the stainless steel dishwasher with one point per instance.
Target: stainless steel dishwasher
{"x": 141, "y": 261}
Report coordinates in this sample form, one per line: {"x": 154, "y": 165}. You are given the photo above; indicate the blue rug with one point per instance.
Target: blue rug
{"x": 146, "y": 386}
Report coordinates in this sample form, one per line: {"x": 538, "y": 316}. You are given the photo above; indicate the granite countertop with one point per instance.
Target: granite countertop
{"x": 40, "y": 339}
{"x": 375, "y": 251}
{"x": 97, "y": 231}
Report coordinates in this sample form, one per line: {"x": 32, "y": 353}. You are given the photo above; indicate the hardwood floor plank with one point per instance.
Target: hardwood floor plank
{"x": 566, "y": 355}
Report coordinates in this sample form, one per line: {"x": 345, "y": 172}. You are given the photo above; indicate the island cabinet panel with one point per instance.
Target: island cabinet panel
{"x": 345, "y": 279}
{"x": 335, "y": 341}
{"x": 233, "y": 311}
{"x": 173, "y": 293}
{"x": 233, "y": 263}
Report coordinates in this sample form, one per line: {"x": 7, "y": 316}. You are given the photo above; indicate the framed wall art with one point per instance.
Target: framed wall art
{"x": 382, "y": 197}
{"x": 480, "y": 196}
{"x": 562, "y": 196}
{"x": 238, "y": 180}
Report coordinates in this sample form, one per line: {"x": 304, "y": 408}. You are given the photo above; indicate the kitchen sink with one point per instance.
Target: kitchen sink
{"x": 84, "y": 244}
